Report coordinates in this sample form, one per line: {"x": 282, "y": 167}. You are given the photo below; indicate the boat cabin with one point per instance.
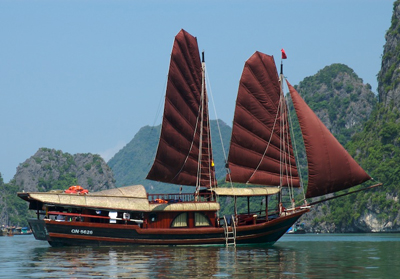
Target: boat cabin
{"x": 133, "y": 206}
{"x": 127, "y": 205}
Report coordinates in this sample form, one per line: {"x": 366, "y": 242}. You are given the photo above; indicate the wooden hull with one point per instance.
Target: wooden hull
{"x": 99, "y": 234}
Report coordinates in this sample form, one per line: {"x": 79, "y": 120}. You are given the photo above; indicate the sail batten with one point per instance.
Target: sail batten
{"x": 256, "y": 152}
{"x": 262, "y": 138}
{"x": 184, "y": 150}
{"x": 273, "y": 153}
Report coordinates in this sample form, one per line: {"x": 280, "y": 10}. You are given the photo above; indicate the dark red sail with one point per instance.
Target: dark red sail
{"x": 330, "y": 166}
{"x": 257, "y": 155}
{"x": 184, "y": 151}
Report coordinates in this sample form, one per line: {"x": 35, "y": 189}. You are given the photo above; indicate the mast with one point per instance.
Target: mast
{"x": 202, "y": 105}
{"x": 285, "y": 136}
{"x": 281, "y": 135}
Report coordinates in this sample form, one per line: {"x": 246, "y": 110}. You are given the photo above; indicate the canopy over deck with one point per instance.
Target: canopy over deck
{"x": 130, "y": 198}
{"x": 247, "y": 192}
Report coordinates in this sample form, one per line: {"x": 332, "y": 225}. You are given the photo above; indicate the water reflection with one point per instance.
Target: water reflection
{"x": 156, "y": 262}
{"x": 293, "y": 258}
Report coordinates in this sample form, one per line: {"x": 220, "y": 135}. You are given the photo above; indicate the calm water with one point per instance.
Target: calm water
{"x": 294, "y": 256}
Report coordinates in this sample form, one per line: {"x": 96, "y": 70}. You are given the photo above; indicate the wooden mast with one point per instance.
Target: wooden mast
{"x": 281, "y": 136}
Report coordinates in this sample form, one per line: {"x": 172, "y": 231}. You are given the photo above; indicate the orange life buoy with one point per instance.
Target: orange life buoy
{"x": 76, "y": 189}
{"x": 160, "y": 201}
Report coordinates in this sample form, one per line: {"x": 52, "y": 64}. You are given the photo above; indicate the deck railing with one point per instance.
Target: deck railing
{"x": 179, "y": 197}
{"x": 66, "y": 216}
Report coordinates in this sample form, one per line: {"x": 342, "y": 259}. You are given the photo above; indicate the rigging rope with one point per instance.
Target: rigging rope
{"x": 296, "y": 155}
{"x": 286, "y": 142}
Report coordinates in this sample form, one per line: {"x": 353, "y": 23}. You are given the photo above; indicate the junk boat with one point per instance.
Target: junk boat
{"x": 261, "y": 156}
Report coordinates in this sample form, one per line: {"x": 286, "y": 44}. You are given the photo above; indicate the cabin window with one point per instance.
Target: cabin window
{"x": 180, "y": 221}
{"x": 201, "y": 220}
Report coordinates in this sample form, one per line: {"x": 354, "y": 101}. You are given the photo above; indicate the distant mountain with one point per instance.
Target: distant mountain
{"x": 132, "y": 163}
{"x": 50, "y": 169}
{"x": 377, "y": 148}
{"x": 339, "y": 98}
{"x": 344, "y": 104}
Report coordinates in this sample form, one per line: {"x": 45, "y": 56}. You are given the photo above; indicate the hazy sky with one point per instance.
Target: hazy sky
{"x": 84, "y": 76}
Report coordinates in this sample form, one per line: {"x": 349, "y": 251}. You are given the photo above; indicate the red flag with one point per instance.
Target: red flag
{"x": 283, "y": 54}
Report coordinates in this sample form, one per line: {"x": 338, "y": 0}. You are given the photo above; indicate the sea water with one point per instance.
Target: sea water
{"x": 293, "y": 256}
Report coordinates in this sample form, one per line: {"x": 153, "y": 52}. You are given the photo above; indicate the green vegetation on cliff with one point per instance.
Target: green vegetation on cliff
{"x": 389, "y": 75}
{"x": 13, "y": 210}
{"x": 339, "y": 98}
{"x": 376, "y": 148}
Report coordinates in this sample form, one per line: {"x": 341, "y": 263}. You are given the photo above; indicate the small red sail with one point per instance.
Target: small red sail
{"x": 330, "y": 166}
{"x": 185, "y": 129}
{"x": 256, "y": 150}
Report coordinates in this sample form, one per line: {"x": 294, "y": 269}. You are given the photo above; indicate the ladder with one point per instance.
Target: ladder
{"x": 230, "y": 235}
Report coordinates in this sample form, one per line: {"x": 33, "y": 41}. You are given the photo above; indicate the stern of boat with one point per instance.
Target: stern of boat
{"x": 38, "y": 228}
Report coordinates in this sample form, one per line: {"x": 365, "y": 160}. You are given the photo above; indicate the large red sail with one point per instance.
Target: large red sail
{"x": 330, "y": 166}
{"x": 257, "y": 155}
{"x": 185, "y": 135}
